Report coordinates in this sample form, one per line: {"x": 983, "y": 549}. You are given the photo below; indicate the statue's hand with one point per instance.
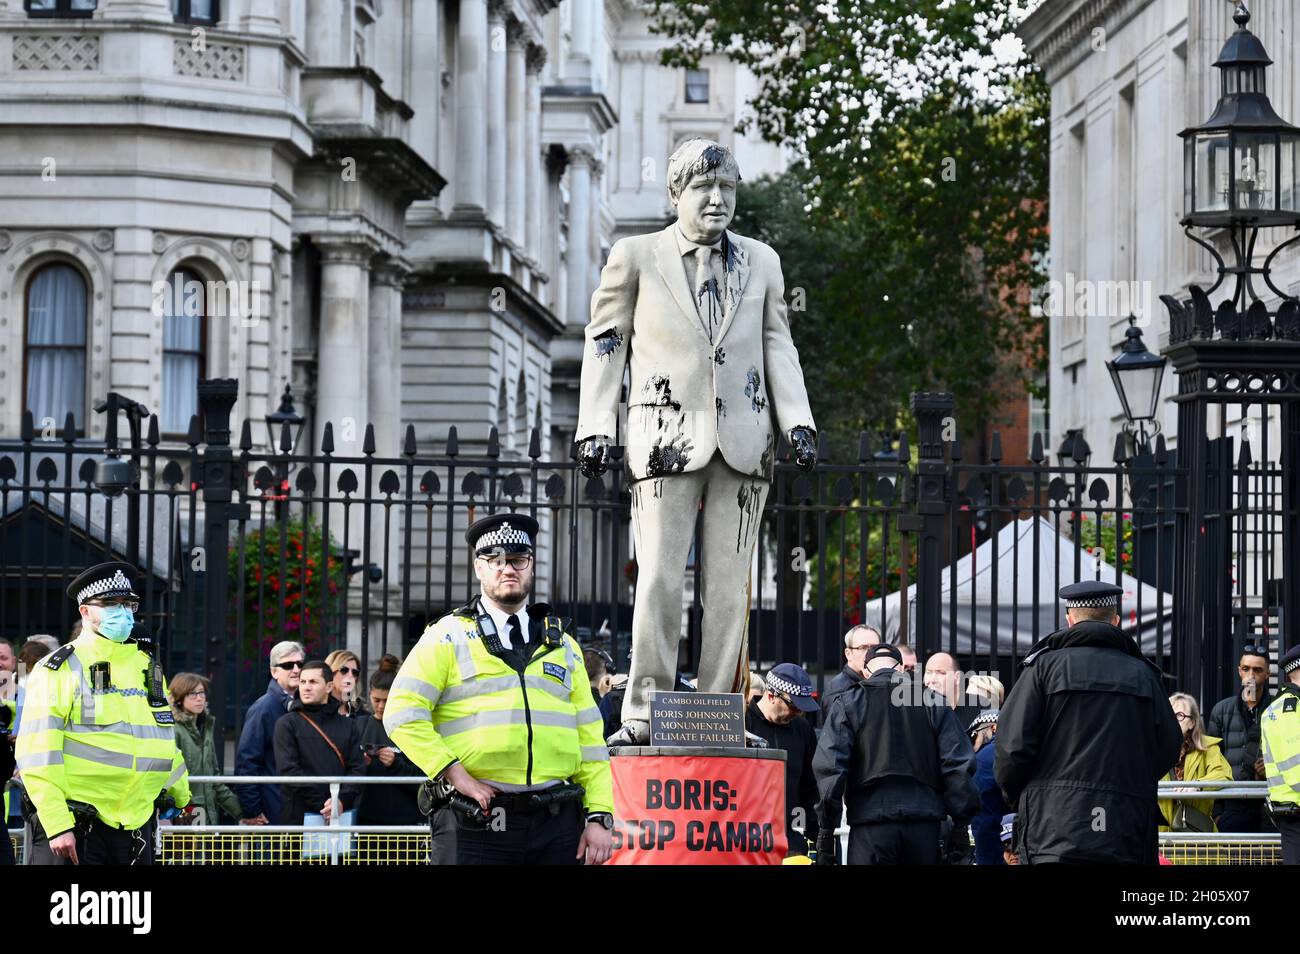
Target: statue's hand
{"x": 804, "y": 442}
{"x": 593, "y": 456}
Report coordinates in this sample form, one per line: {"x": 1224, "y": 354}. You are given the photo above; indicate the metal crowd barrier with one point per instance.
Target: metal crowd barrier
{"x": 338, "y": 844}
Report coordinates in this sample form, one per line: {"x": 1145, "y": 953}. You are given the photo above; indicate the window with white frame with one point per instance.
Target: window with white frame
{"x": 184, "y": 327}
{"x": 60, "y": 8}
{"x": 197, "y": 11}
{"x": 697, "y": 86}
{"x": 55, "y": 342}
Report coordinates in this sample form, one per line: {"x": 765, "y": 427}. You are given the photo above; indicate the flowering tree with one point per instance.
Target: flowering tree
{"x": 307, "y": 619}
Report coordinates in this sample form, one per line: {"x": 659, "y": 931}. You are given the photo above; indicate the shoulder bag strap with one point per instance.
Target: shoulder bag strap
{"x": 328, "y": 740}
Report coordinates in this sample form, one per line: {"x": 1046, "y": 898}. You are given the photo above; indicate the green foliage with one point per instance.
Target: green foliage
{"x": 842, "y": 564}
{"x": 1088, "y": 538}
{"x": 917, "y": 220}
{"x": 298, "y": 591}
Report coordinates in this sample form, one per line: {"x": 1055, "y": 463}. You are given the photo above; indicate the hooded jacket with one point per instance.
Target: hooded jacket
{"x": 301, "y": 750}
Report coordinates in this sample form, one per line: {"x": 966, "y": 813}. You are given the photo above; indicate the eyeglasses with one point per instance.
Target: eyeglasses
{"x": 292, "y": 664}
{"x": 498, "y": 563}
{"x": 198, "y": 692}
{"x": 132, "y": 605}
{"x": 859, "y": 649}
{"x": 1182, "y": 717}
{"x": 344, "y": 670}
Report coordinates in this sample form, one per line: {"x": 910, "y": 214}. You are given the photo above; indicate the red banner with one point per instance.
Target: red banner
{"x": 698, "y": 810}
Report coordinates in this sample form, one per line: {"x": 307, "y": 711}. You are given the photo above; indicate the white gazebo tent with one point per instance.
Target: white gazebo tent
{"x": 1142, "y": 609}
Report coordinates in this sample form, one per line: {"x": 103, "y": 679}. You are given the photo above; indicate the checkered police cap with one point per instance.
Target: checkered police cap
{"x": 102, "y": 581}
{"x": 1091, "y": 593}
{"x": 502, "y": 532}
{"x": 1290, "y": 662}
{"x": 778, "y": 685}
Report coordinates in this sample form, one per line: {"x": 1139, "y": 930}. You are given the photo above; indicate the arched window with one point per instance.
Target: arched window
{"x": 503, "y": 413}
{"x": 184, "y": 327}
{"x": 56, "y": 345}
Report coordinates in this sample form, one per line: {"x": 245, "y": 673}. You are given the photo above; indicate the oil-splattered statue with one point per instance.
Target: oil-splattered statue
{"x": 700, "y": 313}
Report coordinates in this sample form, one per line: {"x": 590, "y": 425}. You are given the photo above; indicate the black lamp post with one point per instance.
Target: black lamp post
{"x": 1241, "y": 167}
{"x": 1136, "y": 374}
{"x": 114, "y": 475}
{"x": 284, "y": 427}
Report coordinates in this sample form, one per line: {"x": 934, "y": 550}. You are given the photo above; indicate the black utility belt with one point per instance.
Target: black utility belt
{"x": 543, "y": 801}
{"x": 1284, "y": 808}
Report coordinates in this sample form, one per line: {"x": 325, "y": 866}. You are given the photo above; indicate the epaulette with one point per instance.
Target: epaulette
{"x": 56, "y": 659}
{"x": 1033, "y": 655}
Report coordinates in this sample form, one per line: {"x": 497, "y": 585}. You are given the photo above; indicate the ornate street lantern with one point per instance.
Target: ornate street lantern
{"x": 1136, "y": 374}
{"x": 284, "y": 414}
{"x": 1241, "y": 172}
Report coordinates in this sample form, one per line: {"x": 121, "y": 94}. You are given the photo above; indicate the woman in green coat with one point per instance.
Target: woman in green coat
{"x": 195, "y": 735}
{"x": 1200, "y": 760}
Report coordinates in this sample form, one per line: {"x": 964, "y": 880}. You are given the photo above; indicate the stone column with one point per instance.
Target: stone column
{"x": 496, "y": 114}
{"x": 384, "y": 357}
{"x": 535, "y": 182}
{"x": 516, "y": 139}
{"x": 341, "y": 372}
{"x": 577, "y": 67}
{"x": 578, "y": 265}
{"x": 385, "y": 407}
{"x": 323, "y": 34}
{"x": 471, "y": 107}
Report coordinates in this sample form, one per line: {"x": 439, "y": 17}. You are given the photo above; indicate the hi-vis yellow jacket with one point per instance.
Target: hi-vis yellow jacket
{"x": 1279, "y": 733}
{"x": 454, "y": 699}
{"x": 90, "y": 736}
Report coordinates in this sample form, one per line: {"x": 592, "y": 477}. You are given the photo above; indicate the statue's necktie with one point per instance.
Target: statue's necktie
{"x": 708, "y": 296}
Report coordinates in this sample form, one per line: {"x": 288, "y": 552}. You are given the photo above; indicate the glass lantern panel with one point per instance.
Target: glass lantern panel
{"x": 1255, "y": 163}
{"x": 1229, "y": 82}
{"x": 1189, "y": 175}
{"x": 1288, "y": 187}
{"x": 1212, "y": 172}
{"x": 1142, "y": 390}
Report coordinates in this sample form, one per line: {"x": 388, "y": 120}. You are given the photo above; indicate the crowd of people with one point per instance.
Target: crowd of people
{"x": 966, "y": 775}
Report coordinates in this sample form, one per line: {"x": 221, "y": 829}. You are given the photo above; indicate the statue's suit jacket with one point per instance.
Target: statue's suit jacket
{"x": 688, "y": 395}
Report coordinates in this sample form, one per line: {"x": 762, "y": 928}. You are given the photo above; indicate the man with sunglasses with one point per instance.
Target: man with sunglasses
{"x": 97, "y": 745}
{"x": 857, "y": 641}
{"x": 1235, "y": 720}
{"x": 495, "y": 706}
{"x": 256, "y": 752}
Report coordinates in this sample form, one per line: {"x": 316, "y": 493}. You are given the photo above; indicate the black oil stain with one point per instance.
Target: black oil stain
{"x": 753, "y": 391}
{"x": 765, "y": 462}
{"x": 657, "y": 390}
{"x": 607, "y": 343}
{"x": 728, "y": 253}
{"x": 721, "y": 407}
{"x": 658, "y": 489}
{"x": 670, "y": 458}
{"x": 719, "y": 356}
{"x": 748, "y": 498}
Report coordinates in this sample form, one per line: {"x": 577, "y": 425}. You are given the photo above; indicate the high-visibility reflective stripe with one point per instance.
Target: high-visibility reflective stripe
{"x": 547, "y": 684}
{"x": 92, "y": 754}
{"x": 1276, "y": 781}
{"x": 37, "y": 759}
{"x": 480, "y": 720}
{"x": 153, "y": 765}
{"x": 590, "y": 714}
{"x": 419, "y": 687}
{"x": 157, "y": 732}
{"x": 43, "y": 724}
{"x": 176, "y": 776}
{"x": 479, "y": 687}
{"x": 595, "y": 753}
{"x": 402, "y": 716}
{"x": 1289, "y": 764}
{"x": 564, "y": 720}
{"x": 464, "y": 657}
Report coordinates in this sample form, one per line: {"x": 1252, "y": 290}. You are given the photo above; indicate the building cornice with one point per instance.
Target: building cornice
{"x": 1059, "y": 33}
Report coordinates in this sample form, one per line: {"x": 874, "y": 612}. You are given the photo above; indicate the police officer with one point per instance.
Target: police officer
{"x": 1280, "y": 737}
{"x": 494, "y": 705}
{"x": 894, "y": 752}
{"x": 1083, "y": 738}
{"x": 97, "y": 744}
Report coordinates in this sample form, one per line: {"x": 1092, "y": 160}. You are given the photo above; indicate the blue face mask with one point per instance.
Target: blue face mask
{"x": 116, "y": 623}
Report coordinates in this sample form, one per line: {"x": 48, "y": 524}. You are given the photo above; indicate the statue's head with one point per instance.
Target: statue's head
{"x": 702, "y": 180}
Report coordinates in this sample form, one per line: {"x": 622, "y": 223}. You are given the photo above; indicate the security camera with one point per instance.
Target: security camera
{"x": 112, "y": 476}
